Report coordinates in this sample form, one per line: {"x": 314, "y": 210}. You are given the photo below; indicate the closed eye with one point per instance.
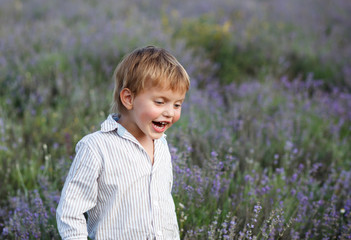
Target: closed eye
{"x": 159, "y": 102}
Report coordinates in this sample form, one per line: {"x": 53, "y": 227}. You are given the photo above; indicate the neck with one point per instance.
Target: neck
{"x": 144, "y": 140}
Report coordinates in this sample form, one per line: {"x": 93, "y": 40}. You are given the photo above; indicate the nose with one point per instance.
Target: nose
{"x": 168, "y": 111}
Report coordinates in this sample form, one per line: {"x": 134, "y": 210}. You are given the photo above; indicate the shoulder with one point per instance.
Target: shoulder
{"x": 95, "y": 140}
{"x": 92, "y": 138}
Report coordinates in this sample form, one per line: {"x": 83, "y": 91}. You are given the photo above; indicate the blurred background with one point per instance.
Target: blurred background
{"x": 263, "y": 148}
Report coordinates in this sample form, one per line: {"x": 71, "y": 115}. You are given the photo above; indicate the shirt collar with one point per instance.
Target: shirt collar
{"x": 111, "y": 124}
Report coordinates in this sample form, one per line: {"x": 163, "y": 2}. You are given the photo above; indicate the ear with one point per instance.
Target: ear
{"x": 127, "y": 98}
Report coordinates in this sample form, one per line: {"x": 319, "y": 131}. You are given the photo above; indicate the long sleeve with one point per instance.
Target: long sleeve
{"x": 79, "y": 194}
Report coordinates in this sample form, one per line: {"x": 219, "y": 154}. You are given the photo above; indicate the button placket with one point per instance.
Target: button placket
{"x": 155, "y": 205}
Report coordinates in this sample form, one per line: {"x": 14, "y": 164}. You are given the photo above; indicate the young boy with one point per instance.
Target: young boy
{"x": 122, "y": 175}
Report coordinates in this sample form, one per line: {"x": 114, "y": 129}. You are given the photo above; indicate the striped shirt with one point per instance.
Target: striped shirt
{"x": 124, "y": 195}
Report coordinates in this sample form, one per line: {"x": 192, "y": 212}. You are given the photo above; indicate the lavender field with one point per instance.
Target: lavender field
{"x": 263, "y": 148}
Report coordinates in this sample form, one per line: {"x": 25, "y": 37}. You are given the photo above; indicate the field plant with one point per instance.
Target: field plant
{"x": 263, "y": 148}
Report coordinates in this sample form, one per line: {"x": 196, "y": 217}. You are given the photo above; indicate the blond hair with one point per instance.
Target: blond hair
{"x": 148, "y": 67}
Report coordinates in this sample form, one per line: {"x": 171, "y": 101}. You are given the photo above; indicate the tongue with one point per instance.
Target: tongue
{"x": 158, "y": 124}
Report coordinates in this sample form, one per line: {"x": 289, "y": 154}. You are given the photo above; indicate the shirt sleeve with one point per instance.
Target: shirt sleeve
{"x": 79, "y": 194}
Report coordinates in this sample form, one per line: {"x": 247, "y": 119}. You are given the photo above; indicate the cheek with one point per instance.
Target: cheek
{"x": 176, "y": 116}
{"x": 150, "y": 114}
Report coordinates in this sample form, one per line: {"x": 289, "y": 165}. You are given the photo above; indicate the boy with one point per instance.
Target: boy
{"x": 122, "y": 175}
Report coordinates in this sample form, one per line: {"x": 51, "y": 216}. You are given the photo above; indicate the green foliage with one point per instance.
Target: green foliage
{"x": 264, "y": 47}
{"x": 236, "y": 60}
{"x": 301, "y": 65}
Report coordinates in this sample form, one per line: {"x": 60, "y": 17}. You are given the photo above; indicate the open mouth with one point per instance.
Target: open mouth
{"x": 159, "y": 126}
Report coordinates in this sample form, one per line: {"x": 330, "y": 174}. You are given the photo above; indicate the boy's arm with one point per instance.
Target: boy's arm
{"x": 79, "y": 194}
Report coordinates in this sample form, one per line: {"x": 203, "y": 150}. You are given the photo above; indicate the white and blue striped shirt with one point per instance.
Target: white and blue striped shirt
{"x": 124, "y": 195}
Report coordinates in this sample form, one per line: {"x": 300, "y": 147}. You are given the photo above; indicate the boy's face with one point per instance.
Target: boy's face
{"x": 153, "y": 111}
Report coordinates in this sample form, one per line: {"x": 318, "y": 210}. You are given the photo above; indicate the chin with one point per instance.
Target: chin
{"x": 156, "y": 135}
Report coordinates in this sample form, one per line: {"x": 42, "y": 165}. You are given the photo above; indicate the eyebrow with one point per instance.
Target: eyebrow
{"x": 168, "y": 99}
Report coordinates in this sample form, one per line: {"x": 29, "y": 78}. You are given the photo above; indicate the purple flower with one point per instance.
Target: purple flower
{"x": 5, "y": 231}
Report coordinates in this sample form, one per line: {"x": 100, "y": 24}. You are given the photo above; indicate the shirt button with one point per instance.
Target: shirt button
{"x": 156, "y": 203}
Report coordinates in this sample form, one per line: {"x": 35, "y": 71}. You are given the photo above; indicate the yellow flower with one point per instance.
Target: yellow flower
{"x": 226, "y": 26}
